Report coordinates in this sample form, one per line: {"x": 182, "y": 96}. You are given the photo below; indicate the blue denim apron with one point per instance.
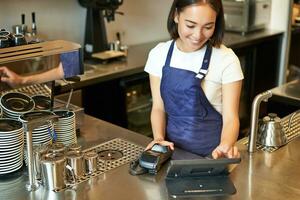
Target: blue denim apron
{"x": 193, "y": 124}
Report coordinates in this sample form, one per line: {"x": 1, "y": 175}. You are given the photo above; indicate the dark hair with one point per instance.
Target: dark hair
{"x": 216, "y": 5}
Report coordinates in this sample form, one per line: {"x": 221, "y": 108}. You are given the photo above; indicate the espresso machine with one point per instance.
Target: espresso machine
{"x": 246, "y": 15}
{"x": 95, "y": 31}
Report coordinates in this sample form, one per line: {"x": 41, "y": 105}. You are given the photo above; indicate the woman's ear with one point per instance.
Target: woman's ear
{"x": 176, "y": 17}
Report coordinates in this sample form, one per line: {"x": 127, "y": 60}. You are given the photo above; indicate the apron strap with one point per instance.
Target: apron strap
{"x": 205, "y": 63}
{"x": 169, "y": 56}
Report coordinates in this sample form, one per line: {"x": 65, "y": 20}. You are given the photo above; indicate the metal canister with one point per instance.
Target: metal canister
{"x": 56, "y": 148}
{"x": 53, "y": 170}
{"x": 90, "y": 160}
{"x": 75, "y": 147}
{"x": 75, "y": 161}
{"x": 38, "y": 152}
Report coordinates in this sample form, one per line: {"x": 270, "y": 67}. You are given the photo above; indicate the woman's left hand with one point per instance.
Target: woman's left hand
{"x": 225, "y": 151}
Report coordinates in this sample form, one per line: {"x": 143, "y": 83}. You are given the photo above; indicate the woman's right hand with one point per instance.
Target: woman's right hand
{"x": 160, "y": 142}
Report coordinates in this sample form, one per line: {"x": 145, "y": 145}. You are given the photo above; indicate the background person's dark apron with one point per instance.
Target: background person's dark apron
{"x": 193, "y": 123}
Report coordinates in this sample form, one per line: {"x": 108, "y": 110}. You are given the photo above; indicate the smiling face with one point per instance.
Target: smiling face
{"x": 196, "y": 24}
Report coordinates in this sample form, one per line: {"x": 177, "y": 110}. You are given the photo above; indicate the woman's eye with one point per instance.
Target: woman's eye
{"x": 190, "y": 26}
{"x": 208, "y": 27}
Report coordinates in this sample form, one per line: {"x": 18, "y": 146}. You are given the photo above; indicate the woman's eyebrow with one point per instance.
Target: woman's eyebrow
{"x": 209, "y": 23}
{"x": 190, "y": 21}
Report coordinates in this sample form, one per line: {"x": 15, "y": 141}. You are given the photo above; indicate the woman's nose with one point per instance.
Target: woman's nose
{"x": 198, "y": 34}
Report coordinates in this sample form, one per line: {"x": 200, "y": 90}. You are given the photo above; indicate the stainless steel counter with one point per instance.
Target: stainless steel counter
{"x": 259, "y": 176}
{"x": 288, "y": 93}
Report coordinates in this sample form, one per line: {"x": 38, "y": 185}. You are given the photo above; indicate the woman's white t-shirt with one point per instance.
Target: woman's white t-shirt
{"x": 224, "y": 67}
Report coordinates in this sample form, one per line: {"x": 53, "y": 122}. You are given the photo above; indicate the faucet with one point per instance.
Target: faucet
{"x": 28, "y": 128}
{"x": 264, "y": 96}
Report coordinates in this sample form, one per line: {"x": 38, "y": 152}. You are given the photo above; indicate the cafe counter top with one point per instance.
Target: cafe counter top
{"x": 260, "y": 175}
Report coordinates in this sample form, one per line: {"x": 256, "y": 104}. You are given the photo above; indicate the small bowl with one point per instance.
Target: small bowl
{"x": 42, "y": 102}
{"x": 19, "y": 39}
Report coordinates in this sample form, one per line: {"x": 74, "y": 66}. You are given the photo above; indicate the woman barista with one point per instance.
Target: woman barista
{"x": 195, "y": 82}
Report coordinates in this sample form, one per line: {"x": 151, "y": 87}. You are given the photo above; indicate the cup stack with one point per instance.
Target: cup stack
{"x": 11, "y": 145}
{"x": 14, "y": 104}
{"x": 65, "y": 127}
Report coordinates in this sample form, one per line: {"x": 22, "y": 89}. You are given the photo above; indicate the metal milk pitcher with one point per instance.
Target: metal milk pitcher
{"x": 38, "y": 152}
{"x": 53, "y": 171}
{"x": 76, "y": 162}
{"x": 90, "y": 159}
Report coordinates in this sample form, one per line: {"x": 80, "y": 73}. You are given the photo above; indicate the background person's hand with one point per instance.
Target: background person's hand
{"x": 225, "y": 151}
{"x": 9, "y": 77}
{"x": 160, "y": 142}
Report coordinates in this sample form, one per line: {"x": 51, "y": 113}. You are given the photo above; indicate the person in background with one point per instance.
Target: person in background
{"x": 14, "y": 80}
{"x": 195, "y": 83}
{"x": 70, "y": 65}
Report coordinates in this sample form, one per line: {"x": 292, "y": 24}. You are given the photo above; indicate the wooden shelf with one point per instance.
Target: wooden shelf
{"x": 24, "y": 52}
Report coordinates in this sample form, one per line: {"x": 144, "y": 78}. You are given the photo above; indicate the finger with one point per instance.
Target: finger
{"x": 167, "y": 143}
{"x": 229, "y": 153}
{"x": 163, "y": 143}
{"x": 216, "y": 154}
{"x": 236, "y": 153}
{"x": 149, "y": 146}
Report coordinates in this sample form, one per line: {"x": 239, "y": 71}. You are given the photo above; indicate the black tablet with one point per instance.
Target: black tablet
{"x": 200, "y": 177}
{"x": 200, "y": 167}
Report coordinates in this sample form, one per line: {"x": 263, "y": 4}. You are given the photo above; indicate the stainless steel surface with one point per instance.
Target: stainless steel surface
{"x": 110, "y": 154}
{"x": 115, "y": 153}
{"x": 260, "y": 176}
{"x": 292, "y": 118}
{"x": 32, "y": 90}
{"x": 289, "y": 92}
{"x": 271, "y": 132}
{"x": 254, "y": 118}
{"x": 246, "y": 15}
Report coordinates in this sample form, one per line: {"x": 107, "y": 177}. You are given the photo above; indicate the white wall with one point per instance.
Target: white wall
{"x": 281, "y": 20}
{"x": 144, "y": 20}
